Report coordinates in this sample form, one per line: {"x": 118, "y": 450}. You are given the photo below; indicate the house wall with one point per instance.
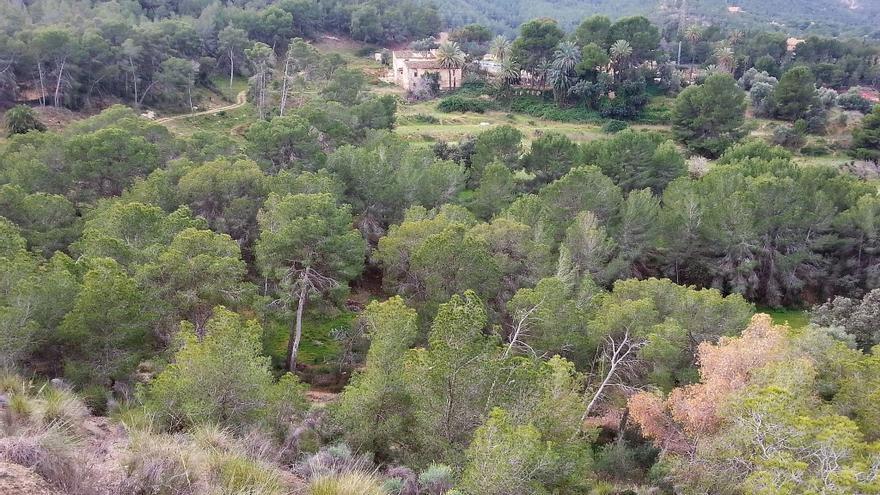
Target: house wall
{"x": 444, "y": 78}
{"x": 398, "y": 66}
{"x": 406, "y": 76}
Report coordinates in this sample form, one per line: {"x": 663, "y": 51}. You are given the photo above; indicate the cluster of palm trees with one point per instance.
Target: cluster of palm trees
{"x": 559, "y": 72}
{"x": 725, "y": 57}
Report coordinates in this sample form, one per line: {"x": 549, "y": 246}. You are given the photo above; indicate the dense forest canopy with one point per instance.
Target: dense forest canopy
{"x": 623, "y": 254}
{"x": 827, "y": 17}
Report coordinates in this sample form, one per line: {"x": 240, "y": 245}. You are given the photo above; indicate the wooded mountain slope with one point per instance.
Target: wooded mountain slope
{"x": 836, "y": 17}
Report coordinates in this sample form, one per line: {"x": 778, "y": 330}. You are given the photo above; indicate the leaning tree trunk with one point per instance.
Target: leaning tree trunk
{"x": 296, "y": 328}
{"x": 231, "y": 67}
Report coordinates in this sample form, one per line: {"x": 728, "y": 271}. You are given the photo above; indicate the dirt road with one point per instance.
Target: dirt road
{"x": 240, "y": 100}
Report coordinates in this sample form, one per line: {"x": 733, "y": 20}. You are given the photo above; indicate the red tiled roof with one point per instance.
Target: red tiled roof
{"x": 423, "y": 64}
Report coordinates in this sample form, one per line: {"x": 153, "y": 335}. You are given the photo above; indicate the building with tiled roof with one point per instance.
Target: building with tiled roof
{"x": 409, "y": 66}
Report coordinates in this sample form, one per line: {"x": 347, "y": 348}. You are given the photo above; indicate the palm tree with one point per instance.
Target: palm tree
{"x": 620, "y": 52}
{"x": 542, "y": 71}
{"x": 565, "y": 59}
{"x": 500, "y": 48}
{"x": 735, "y": 36}
{"x": 693, "y": 35}
{"x": 567, "y": 56}
{"x": 510, "y": 72}
{"x": 725, "y": 57}
{"x": 450, "y": 57}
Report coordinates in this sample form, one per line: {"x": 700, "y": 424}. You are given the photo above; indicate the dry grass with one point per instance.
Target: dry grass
{"x": 354, "y": 483}
{"x": 210, "y": 460}
{"x": 51, "y": 452}
{"x": 159, "y": 464}
{"x": 43, "y": 431}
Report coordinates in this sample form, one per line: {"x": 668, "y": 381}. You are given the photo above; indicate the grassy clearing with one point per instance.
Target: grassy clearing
{"x": 239, "y": 84}
{"x": 795, "y": 318}
{"x": 454, "y": 126}
{"x": 317, "y": 345}
{"x": 232, "y": 122}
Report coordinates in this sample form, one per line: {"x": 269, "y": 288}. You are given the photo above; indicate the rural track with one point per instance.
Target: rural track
{"x": 240, "y": 100}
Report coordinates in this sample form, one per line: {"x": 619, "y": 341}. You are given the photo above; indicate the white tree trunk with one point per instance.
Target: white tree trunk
{"x": 134, "y": 80}
{"x": 58, "y": 82}
{"x": 296, "y": 331}
{"x": 231, "y": 67}
{"x": 42, "y": 86}
{"x": 620, "y": 351}
{"x": 521, "y": 327}
{"x": 284, "y": 87}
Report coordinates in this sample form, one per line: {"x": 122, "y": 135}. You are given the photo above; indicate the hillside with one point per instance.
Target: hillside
{"x": 830, "y": 17}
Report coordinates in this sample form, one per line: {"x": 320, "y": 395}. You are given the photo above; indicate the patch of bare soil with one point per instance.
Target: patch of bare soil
{"x": 58, "y": 118}
{"x": 329, "y": 42}
{"x": 19, "y": 480}
{"x": 105, "y": 443}
{"x": 321, "y": 397}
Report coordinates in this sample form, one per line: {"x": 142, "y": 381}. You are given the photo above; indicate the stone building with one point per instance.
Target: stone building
{"x": 408, "y": 66}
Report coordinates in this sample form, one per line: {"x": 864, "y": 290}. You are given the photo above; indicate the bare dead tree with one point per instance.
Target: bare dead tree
{"x": 522, "y": 323}
{"x": 284, "y": 82}
{"x": 620, "y": 353}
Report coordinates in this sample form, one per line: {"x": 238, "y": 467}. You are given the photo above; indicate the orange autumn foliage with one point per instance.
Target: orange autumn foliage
{"x": 725, "y": 367}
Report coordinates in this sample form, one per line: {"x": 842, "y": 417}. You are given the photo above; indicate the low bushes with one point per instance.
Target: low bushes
{"x": 537, "y": 107}
{"x": 462, "y": 104}
{"x": 614, "y": 126}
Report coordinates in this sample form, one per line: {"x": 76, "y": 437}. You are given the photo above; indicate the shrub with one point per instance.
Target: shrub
{"x": 366, "y": 51}
{"x": 422, "y": 118}
{"x": 853, "y": 100}
{"x": 61, "y": 407}
{"x": 95, "y": 399}
{"x": 21, "y": 119}
{"x": 401, "y": 480}
{"x": 625, "y": 461}
{"x": 537, "y": 107}
{"x": 335, "y": 460}
{"x": 815, "y": 150}
{"x": 436, "y": 480}
{"x": 827, "y": 97}
{"x": 614, "y": 126}
{"x": 788, "y": 136}
{"x": 201, "y": 387}
{"x": 461, "y": 104}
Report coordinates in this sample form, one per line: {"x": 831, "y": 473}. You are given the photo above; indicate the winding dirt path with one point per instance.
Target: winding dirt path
{"x": 240, "y": 100}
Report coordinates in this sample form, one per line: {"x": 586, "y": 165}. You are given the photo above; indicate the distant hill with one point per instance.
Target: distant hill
{"x": 846, "y": 18}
